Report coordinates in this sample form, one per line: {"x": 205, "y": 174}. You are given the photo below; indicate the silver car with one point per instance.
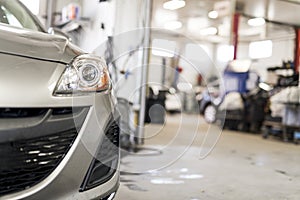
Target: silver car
{"x": 59, "y": 134}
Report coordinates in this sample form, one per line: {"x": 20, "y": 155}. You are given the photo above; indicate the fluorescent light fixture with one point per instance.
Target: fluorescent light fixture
{"x": 256, "y": 21}
{"x": 213, "y": 14}
{"x": 209, "y": 31}
{"x": 261, "y": 49}
{"x": 225, "y": 53}
{"x": 163, "y": 48}
{"x": 174, "y": 4}
{"x": 173, "y": 25}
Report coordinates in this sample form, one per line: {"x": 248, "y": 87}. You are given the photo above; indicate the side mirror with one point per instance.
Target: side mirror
{"x": 55, "y": 31}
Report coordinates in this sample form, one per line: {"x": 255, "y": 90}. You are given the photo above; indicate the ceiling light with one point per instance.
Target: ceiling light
{"x": 172, "y": 25}
{"x": 256, "y": 21}
{"x": 174, "y": 4}
{"x": 213, "y": 14}
{"x": 209, "y": 31}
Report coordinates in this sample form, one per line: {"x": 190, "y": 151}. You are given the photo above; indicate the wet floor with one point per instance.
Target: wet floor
{"x": 180, "y": 161}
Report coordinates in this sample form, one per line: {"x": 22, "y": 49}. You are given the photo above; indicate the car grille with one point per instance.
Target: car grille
{"x": 105, "y": 163}
{"x": 34, "y": 112}
{"x": 110, "y": 143}
{"x": 21, "y": 112}
{"x": 25, "y": 163}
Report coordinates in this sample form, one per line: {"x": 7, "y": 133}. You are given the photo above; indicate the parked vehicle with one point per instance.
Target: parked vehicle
{"x": 173, "y": 101}
{"x": 240, "y": 104}
{"x": 59, "y": 136}
{"x": 238, "y": 111}
{"x": 208, "y": 101}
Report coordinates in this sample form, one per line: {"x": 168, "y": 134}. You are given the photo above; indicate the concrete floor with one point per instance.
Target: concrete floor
{"x": 173, "y": 164}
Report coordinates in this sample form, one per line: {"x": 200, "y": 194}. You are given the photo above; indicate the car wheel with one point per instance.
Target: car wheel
{"x": 210, "y": 113}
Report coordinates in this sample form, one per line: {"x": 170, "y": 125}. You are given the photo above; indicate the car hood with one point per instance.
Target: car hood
{"x": 38, "y": 45}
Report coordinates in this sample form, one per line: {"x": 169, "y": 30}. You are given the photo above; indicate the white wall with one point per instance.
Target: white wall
{"x": 156, "y": 69}
{"x": 59, "y": 6}
{"x": 127, "y": 38}
{"x": 198, "y": 59}
{"x": 93, "y": 36}
{"x": 282, "y": 50}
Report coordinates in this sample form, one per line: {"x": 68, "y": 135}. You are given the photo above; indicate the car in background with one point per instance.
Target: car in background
{"x": 173, "y": 101}
{"x": 59, "y": 134}
{"x": 208, "y": 101}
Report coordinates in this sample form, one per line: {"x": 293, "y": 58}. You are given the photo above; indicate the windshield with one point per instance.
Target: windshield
{"x": 13, "y": 13}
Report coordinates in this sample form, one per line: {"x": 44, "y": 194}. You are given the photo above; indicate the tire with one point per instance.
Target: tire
{"x": 210, "y": 114}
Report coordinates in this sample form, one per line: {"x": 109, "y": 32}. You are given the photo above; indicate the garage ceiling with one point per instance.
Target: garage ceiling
{"x": 194, "y": 18}
{"x": 282, "y": 11}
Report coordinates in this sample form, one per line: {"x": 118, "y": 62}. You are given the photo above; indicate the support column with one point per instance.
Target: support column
{"x": 51, "y": 5}
{"x": 235, "y": 33}
{"x": 163, "y": 77}
{"x": 297, "y": 50}
{"x": 146, "y": 55}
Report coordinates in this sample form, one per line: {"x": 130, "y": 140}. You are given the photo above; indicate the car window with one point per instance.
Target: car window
{"x": 13, "y": 13}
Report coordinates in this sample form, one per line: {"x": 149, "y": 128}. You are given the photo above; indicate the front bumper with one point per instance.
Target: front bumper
{"x": 66, "y": 179}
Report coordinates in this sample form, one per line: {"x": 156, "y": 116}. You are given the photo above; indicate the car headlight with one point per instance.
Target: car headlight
{"x": 86, "y": 73}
